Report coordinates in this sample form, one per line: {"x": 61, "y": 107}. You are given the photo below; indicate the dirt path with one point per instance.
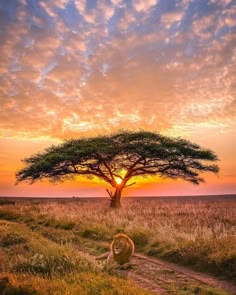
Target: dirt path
{"x": 174, "y": 278}
{"x": 204, "y": 278}
{"x": 161, "y": 277}
{"x": 140, "y": 280}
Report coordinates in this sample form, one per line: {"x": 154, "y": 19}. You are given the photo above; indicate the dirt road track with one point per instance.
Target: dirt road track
{"x": 204, "y": 278}
{"x": 161, "y": 277}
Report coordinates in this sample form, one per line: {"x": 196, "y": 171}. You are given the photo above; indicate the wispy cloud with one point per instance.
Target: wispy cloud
{"x": 87, "y": 67}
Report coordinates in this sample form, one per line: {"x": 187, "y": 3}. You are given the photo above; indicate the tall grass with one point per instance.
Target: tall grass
{"x": 197, "y": 233}
{"x": 167, "y": 221}
{"x": 32, "y": 264}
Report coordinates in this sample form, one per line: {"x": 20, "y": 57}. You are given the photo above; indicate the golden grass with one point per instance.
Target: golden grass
{"x": 167, "y": 221}
{"x": 31, "y": 264}
{"x": 198, "y": 233}
{"x": 201, "y": 234}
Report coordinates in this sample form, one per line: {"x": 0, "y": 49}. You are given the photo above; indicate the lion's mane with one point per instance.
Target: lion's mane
{"x": 127, "y": 251}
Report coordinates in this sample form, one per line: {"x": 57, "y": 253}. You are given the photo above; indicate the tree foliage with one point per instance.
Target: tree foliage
{"x": 137, "y": 153}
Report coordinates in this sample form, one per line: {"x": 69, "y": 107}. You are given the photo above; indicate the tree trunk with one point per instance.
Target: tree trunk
{"x": 115, "y": 199}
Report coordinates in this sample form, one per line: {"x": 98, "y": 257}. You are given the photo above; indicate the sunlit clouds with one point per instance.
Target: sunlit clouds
{"x": 71, "y": 68}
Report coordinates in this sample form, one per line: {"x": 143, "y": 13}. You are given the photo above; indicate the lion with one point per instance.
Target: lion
{"x": 121, "y": 251}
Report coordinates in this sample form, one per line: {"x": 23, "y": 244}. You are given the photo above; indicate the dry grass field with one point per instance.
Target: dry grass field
{"x": 38, "y": 241}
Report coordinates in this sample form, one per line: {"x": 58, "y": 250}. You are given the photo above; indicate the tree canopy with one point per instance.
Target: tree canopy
{"x": 137, "y": 153}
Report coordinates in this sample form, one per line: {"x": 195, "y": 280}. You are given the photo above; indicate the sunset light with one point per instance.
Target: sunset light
{"x": 74, "y": 69}
{"x": 118, "y": 180}
{"x": 117, "y": 147}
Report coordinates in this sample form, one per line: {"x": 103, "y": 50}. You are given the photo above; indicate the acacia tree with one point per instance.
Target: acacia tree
{"x": 132, "y": 153}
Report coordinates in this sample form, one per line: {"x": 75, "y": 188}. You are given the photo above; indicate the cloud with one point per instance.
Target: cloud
{"x": 69, "y": 68}
{"x": 143, "y": 6}
{"x": 169, "y": 18}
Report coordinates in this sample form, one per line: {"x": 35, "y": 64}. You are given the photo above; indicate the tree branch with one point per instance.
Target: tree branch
{"x": 109, "y": 193}
{"x": 105, "y": 164}
{"x": 129, "y": 184}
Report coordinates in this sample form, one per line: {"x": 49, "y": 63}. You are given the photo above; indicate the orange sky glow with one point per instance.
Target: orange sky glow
{"x": 71, "y": 69}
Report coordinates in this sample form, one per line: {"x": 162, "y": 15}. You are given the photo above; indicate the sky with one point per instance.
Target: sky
{"x": 79, "y": 68}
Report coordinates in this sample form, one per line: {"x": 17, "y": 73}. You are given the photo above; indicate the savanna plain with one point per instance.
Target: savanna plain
{"x": 47, "y": 246}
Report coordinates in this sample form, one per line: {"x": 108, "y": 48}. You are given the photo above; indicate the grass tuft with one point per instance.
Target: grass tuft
{"x": 48, "y": 265}
{"x": 12, "y": 239}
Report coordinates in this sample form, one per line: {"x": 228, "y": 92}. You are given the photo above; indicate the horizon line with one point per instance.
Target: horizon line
{"x": 162, "y": 196}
